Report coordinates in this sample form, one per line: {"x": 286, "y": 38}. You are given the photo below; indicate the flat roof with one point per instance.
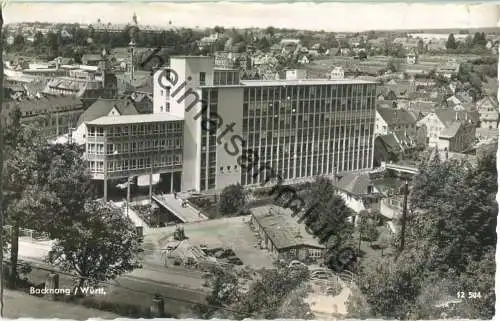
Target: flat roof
{"x": 285, "y": 82}
{"x": 283, "y": 229}
{"x": 133, "y": 119}
{"x": 298, "y": 82}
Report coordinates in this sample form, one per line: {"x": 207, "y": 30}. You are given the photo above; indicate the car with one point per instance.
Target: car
{"x": 319, "y": 274}
{"x": 296, "y": 264}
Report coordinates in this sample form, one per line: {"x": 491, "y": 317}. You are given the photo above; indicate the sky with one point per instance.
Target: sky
{"x": 311, "y": 16}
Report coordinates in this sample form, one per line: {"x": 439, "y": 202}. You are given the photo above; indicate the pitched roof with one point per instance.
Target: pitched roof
{"x": 47, "y": 104}
{"x": 390, "y": 141}
{"x": 354, "y": 183}
{"x": 396, "y": 116}
{"x": 283, "y": 230}
{"x": 451, "y": 130}
{"x": 102, "y": 107}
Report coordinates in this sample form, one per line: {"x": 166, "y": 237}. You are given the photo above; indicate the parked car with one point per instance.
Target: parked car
{"x": 319, "y": 275}
{"x": 296, "y": 264}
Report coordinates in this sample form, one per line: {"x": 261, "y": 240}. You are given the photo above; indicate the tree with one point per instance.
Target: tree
{"x": 271, "y": 294}
{"x": 368, "y": 230}
{"x": 232, "y": 199}
{"x": 21, "y": 193}
{"x": 328, "y": 215}
{"x": 451, "y": 43}
{"x": 420, "y": 46}
{"x": 18, "y": 42}
{"x": 101, "y": 248}
{"x": 479, "y": 39}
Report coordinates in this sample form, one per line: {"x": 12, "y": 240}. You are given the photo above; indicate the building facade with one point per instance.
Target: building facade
{"x": 297, "y": 128}
{"x": 56, "y": 114}
{"x": 134, "y": 145}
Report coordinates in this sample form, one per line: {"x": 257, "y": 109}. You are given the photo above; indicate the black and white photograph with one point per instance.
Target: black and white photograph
{"x": 248, "y": 160}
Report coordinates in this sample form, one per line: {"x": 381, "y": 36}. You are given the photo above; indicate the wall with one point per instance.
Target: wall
{"x": 434, "y": 128}
{"x": 188, "y": 107}
{"x": 381, "y": 127}
{"x": 230, "y": 108}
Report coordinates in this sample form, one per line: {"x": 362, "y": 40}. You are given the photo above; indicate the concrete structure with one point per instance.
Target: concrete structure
{"x": 134, "y": 145}
{"x": 300, "y": 128}
{"x": 283, "y": 236}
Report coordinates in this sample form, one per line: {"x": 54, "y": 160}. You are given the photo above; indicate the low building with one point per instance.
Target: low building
{"x": 56, "y": 114}
{"x": 337, "y": 73}
{"x": 399, "y": 121}
{"x": 457, "y": 137}
{"x": 283, "y": 236}
{"x": 436, "y": 121}
{"x": 358, "y": 191}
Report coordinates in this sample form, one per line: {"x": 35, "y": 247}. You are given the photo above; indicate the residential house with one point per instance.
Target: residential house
{"x": 386, "y": 149}
{"x": 55, "y": 115}
{"x": 457, "y": 137}
{"x": 101, "y": 108}
{"x": 337, "y": 73}
{"x": 488, "y": 112}
{"x": 358, "y": 192}
{"x": 283, "y": 236}
{"x": 438, "y": 120}
{"x": 399, "y": 121}
{"x": 411, "y": 58}
{"x": 449, "y": 69}
{"x": 91, "y": 59}
{"x": 275, "y": 49}
{"x": 303, "y": 60}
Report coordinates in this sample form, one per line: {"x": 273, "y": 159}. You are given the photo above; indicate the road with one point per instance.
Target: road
{"x": 137, "y": 290}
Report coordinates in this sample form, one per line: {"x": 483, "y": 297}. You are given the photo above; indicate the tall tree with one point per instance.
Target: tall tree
{"x": 102, "y": 247}
{"x": 451, "y": 43}
{"x": 232, "y": 200}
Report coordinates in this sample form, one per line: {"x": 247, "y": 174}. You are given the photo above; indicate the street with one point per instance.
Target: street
{"x": 137, "y": 291}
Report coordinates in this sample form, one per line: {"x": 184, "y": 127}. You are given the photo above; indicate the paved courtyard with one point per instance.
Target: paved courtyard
{"x": 233, "y": 232}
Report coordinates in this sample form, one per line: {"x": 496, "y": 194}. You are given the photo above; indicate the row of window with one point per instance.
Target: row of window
{"x": 308, "y": 106}
{"x": 136, "y": 129}
{"x": 310, "y": 169}
{"x": 136, "y": 164}
{"x": 140, "y": 146}
{"x": 226, "y": 77}
{"x": 326, "y": 91}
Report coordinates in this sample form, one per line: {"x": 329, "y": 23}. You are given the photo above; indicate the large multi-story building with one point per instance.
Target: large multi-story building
{"x": 295, "y": 128}
{"x": 127, "y": 146}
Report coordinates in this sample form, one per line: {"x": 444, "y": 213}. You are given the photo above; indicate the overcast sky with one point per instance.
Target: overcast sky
{"x": 325, "y": 16}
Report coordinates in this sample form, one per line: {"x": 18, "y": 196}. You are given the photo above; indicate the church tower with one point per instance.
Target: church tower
{"x": 109, "y": 80}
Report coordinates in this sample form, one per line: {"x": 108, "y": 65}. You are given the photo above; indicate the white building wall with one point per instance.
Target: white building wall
{"x": 381, "y": 127}
{"x": 230, "y": 109}
{"x": 185, "y": 102}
